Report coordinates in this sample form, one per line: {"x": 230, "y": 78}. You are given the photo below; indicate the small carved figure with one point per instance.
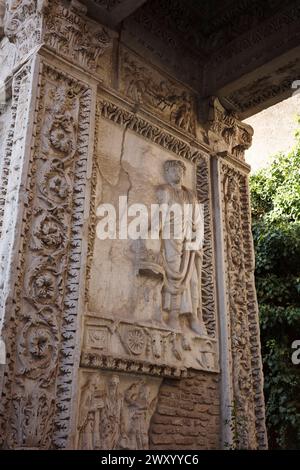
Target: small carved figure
{"x": 112, "y": 418}
{"x": 140, "y": 409}
{"x": 91, "y": 404}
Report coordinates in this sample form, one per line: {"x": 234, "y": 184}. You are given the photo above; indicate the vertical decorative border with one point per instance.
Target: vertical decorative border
{"x": 12, "y": 179}
{"x": 246, "y": 373}
{"x": 42, "y": 329}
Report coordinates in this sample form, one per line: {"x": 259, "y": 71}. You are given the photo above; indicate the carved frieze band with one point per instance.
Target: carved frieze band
{"x": 37, "y": 395}
{"x": 115, "y": 410}
{"x": 243, "y": 311}
{"x": 147, "y": 87}
{"x": 141, "y": 348}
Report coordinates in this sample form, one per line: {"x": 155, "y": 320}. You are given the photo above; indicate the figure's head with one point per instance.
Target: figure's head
{"x": 174, "y": 171}
{"x": 114, "y": 382}
{"x": 94, "y": 381}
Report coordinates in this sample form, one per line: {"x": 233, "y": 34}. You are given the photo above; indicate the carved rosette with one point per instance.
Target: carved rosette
{"x": 38, "y": 385}
{"x": 248, "y": 414}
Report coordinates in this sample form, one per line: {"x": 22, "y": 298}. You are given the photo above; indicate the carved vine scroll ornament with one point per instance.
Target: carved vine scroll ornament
{"x": 38, "y": 385}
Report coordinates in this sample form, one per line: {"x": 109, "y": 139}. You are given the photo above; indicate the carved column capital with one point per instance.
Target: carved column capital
{"x": 226, "y": 132}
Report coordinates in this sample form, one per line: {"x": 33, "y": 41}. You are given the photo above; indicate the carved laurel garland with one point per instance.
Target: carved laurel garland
{"x": 246, "y": 362}
{"x": 171, "y": 143}
{"x": 46, "y": 295}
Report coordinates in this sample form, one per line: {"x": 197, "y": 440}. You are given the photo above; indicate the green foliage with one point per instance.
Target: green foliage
{"x": 276, "y": 230}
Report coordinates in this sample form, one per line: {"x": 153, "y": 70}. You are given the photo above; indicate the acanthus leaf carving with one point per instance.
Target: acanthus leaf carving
{"x": 64, "y": 29}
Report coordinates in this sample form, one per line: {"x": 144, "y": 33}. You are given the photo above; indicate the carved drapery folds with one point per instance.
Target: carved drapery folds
{"x": 226, "y": 132}
{"x": 246, "y": 373}
{"x": 36, "y": 405}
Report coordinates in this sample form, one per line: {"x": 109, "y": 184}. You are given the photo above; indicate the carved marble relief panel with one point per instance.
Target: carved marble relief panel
{"x": 115, "y": 410}
{"x": 136, "y": 319}
{"x": 146, "y": 86}
{"x": 226, "y": 132}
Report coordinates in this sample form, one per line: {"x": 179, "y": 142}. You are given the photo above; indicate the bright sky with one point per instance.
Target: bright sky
{"x": 274, "y": 130}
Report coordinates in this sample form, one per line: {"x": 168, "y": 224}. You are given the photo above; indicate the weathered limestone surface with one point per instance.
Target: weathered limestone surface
{"x": 123, "y": 344}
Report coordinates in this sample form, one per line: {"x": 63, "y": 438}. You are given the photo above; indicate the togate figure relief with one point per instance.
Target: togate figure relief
{"x": 101, "y": 422}
{"x": 181, "y": 231}
{"x": 113, "y": 419}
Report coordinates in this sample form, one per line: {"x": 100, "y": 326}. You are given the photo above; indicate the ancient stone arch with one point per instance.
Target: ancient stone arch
{"x": 97, "y": 98}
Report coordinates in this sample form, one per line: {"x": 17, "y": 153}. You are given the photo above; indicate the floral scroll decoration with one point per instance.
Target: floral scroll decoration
{"x": 49, "y": 231}
{"x": 234, "y": 183}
